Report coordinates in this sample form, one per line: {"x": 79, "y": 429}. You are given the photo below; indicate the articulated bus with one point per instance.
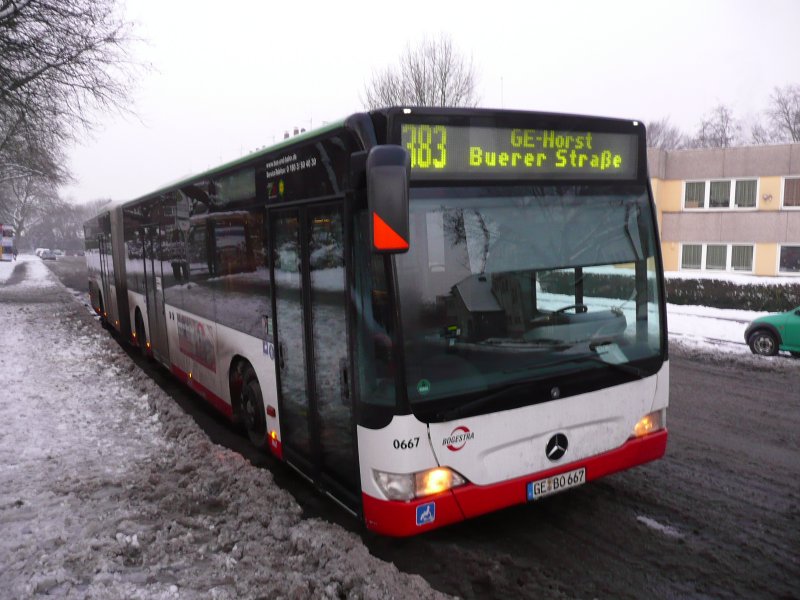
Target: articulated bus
{"x": 431, "y": 314}
{"x": 6, "y": 242}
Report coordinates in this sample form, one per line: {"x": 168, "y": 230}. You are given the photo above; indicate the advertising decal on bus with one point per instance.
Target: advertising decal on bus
{"x": 196, "y": 342}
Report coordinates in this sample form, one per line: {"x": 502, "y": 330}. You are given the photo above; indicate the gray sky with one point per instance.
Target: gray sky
{"x": 229, "y": 77}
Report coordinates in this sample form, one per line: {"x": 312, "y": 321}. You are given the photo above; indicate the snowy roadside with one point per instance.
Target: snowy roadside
{"x": 109, "y": 490}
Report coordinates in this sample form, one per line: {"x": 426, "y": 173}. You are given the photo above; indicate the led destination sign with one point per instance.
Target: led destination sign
{"x": 456, "y": 152}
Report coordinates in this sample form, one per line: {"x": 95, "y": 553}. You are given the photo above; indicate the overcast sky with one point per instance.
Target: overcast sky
{"x": 229, "y": 77}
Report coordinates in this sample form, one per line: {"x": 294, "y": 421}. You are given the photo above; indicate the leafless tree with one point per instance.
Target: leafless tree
{"x": 761, "y": 135}
{"x": 25, "y": 200}
{"x": 434, "y": 73}
{"x": 61, "y": 62}
{"x": 784, "y": 113}
{"x": 664, "y": 135}
{"x": 718, "y": 129}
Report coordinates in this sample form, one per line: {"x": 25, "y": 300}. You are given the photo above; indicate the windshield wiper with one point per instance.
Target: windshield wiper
{"x": 459, "y": 411}
{"x": 453, "y": 413}
{"x": 622, "y": 367}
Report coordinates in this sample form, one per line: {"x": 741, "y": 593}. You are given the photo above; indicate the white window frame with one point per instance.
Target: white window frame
{"x": 727, "y": 266}
{"x": 731, "y": 197}
{"x": 728, "y": 257}
{"x": 702, "y": 256}
{"x": 784, "y": 207}
{"x": 730, "y": 268}
{"x": 705, "y": 195}
{"x": 778, "y": 262}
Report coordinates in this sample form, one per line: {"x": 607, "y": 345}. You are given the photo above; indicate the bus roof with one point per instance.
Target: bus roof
{"x": 386, "y": 112}
{"x": 302, "y": 137}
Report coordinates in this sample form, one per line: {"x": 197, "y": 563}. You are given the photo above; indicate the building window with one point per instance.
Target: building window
{"x": 691, "y": 257}
{"x": 695, "y": 194}
{"x": 742, "y": 258}
{"x": 791, "y": 192}
{"x": 745, "y": 196}
{"x": 716, "y": 257}
{"x": 721, "y": 194}
{"x": 790, "y": 259}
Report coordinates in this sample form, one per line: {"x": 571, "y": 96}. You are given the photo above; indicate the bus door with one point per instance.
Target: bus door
{"x": 104, "y": 249}
{"x": 154, "y": 293}
{"x": 318, "y": 434}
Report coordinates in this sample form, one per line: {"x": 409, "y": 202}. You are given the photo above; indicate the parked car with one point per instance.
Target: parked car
{"x": 40, "y": 250}
{"x": 780, "y": 331}
{"x": 47, "y": 255}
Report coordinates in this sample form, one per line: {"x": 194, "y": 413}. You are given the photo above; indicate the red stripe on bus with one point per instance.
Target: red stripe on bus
{"x": 399, "y": 518}
{"x": 477, "y": 500}
{"x": 198, "y": 387}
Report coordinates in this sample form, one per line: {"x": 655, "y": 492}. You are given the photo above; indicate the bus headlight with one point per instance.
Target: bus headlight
{"x": 648, "y": 424}
{"x": 434, "y": 481}
{"x": 407, "y": 486}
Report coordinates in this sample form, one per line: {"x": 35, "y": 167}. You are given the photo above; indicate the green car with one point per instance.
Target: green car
{"x": 781, "y": 331}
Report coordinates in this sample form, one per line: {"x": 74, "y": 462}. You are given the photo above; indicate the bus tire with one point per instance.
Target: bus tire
{"x": 141, "y": 334}
{"x": 102, "y": 314}
{"x": 251, "y": 406}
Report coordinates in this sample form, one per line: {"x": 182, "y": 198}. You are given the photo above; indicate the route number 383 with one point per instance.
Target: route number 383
{"x": 427, "y": 145}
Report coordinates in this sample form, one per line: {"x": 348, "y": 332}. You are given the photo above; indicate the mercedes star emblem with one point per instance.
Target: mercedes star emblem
{"x": 557, "y": 446}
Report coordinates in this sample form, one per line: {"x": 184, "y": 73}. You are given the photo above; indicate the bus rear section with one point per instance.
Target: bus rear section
{"x": 529, "y": 355}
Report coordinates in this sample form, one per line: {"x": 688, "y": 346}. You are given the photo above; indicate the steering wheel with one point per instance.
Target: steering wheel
{"x": 579, "y": 308}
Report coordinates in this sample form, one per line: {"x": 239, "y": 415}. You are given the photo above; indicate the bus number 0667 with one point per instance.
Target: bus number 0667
{"x": 427, "y": 145}
{"x": 406, "y": 444}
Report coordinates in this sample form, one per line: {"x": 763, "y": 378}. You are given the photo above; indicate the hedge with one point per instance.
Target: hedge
{"x": 717, "y": 293}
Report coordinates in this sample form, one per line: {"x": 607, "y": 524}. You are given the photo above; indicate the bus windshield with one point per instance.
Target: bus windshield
{"x": 505, "y": 285}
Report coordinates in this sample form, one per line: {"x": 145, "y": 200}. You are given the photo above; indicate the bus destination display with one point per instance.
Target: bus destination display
{"x": 456, "y": 152}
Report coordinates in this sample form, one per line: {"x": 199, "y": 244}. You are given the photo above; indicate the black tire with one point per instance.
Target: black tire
{"x": 251, "y": 407}
{"x": 141, "y": 334}
{"x": 102, "y": 314}
{"x": 763, "y": 342}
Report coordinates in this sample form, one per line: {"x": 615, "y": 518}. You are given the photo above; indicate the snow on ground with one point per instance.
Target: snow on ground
{"x": 108, "y": 490}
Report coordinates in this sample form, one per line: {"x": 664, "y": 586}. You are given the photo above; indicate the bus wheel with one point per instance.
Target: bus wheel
{"x": 251, "y": 406}
{"x": 102, "y": 313}
{"x": 141, "y": 335}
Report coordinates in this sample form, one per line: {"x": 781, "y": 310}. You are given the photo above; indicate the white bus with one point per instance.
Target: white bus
{"x": 430, "y": 313}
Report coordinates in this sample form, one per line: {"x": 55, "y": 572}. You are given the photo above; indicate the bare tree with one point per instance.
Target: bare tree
{"x": 434, "y": 73}
{"x": 718, "y": 129}
{"x": 761, "y": 135}
{"x": 61, "y": 61}
{"x": 664, "y": 135}
{"x": 24, "y": 201}
{"x": 784, "y": 113}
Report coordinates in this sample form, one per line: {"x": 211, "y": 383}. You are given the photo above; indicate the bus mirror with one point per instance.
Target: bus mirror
{"x": 388, "y": 174}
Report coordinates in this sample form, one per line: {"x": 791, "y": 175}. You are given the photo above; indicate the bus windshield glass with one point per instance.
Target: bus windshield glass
{"x": 506, "y": 285}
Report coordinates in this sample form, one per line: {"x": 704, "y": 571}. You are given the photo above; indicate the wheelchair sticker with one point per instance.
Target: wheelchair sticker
{"x": 426, "y": 513}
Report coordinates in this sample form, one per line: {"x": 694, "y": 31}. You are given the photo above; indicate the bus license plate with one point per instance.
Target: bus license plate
{"x": 556, "y": 483}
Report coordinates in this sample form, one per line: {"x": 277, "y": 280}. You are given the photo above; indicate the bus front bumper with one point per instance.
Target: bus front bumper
{"x": 402, "y": 519}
